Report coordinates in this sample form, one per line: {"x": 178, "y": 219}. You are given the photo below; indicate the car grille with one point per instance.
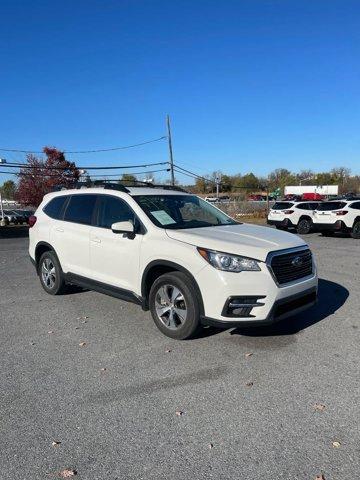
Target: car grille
{"x": 291, "y": 266}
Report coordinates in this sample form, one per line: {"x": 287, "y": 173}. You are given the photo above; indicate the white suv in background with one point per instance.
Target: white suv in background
{"x": 173, "y": 253}
{"x": 338, "y": 216}
{"x": 298, "y": 215}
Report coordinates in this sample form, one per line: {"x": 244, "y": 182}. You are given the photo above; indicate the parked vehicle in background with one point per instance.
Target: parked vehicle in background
{"x": 4, "y": 219}
{"x": 298, "y": 215}
{"x": 212, "y": 199}
{"x": 21, "y": 218}
{"x": 312, "y": 196}
{"x": 11, "y": 216}
{"x": 338, "y": 216}
{"x": 172, "y": 253}
{"x": 26, "y": 214}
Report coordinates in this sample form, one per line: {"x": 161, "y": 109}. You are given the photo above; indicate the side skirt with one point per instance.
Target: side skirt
{"x": 100, "y": 287}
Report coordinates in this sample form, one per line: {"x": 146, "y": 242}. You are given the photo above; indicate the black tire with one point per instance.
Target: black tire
{"x": 179, "y": 326}
{"x": 355, "y": 232}
{"x": 327, "y": 233}
{"x": 54, "y": 283}
{"x": 304, "y": 226}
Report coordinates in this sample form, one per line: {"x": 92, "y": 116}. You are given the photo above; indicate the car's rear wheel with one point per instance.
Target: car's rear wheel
{"x": 174, "y": 306}
{"x": 50, "y": 273}
{"x": 355, "y": 233}
{"x": 304, "y": 226}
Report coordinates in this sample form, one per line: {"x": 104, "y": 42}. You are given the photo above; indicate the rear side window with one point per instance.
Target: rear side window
{"x": 282, "y": 206}
{"x": 80, "y": 209}
{"x": 313, "y": 206}
{"x": 325, "y": 207}
{"x": 54, "y": 208}
{"x": 113, "y": 210}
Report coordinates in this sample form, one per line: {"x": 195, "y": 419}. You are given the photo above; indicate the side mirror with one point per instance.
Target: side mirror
{"x": 124, "y": 227}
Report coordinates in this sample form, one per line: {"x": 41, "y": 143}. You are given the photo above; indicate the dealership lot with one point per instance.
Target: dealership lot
{"x": 112, "y": 402}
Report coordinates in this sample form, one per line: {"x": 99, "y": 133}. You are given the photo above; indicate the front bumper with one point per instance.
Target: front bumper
{"x": 281, "y": 309}
{"x": 218, "y": 287}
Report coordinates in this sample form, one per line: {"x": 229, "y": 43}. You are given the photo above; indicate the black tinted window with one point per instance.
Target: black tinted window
{"x": 113, "y": 210}
{"x": 54, "y": 208}
{"x": 355, "y": 205}
{"x": 282, "y": 206}
{"x": 324, "y": 207}
{"x": 303, "y": 206}
{"x": 80, "y": 209}
{"x": 313, "y": 206}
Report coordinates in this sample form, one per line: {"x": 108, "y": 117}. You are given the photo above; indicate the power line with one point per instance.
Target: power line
{"x": 89, "y": 151}
{"x": 25, "y": 165}
{"x": 28, "y": 174}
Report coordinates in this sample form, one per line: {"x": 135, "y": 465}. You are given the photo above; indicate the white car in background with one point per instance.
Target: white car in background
{"x": 299, "y": 215}
{"x": 338, "y": 216}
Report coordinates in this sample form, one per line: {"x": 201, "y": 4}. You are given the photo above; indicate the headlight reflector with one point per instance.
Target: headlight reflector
{"x": 229, "y": 263}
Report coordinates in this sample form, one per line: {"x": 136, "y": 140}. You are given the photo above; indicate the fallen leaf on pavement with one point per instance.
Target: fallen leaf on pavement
{"x": 249, "y": 354}
{"x": 102, "y": 369}
{"x": 67, "y": 473}
{"x": 211, "y": 445}
{"x": 179, "y": 413}
{"x": 84, "y": 321}
{"x": 50, "y": 331}
{"x": 82, "y": 344}
{"x": 336, "y": 444}
{"x": 319, "y": 406}
{"x": 55, "y": 444}
{"x": 249, "y": 384}
{"x": 167, "y": 350}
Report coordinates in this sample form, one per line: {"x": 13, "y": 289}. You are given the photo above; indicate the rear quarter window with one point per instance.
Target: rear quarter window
{"x": 325, "y": 207}
{"x": 282, "y": 206}
{"x": 54, "y": 208}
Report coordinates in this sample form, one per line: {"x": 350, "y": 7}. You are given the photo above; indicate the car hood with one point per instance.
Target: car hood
{"x": 244, "y": 239}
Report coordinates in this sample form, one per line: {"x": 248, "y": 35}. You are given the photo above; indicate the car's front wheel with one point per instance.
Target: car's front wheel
{"x": 50, "y": 273}
{"x": 174, "y": 306}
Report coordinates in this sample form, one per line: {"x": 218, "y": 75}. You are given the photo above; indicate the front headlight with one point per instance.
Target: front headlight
{"x": 229, "y": 263}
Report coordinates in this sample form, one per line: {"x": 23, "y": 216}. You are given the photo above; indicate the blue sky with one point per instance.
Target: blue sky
{"x": 250, "y": 85}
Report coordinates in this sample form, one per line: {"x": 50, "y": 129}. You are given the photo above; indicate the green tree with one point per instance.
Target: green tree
{"x": 8, "y": 190}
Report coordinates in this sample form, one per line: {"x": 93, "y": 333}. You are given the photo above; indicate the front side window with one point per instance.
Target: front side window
{"x": 112, "y": 210}
{"x": 55, "y": 207}
{"x": 303, "y": 206}
{"x": 181, "y": 211}
{"x": 80, "y": 209}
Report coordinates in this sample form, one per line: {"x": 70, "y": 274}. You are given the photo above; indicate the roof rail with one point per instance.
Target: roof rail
{"x": 116, "y": 185}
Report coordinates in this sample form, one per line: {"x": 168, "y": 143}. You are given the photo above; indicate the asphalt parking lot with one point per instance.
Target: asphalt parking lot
{"x": 112, "y": 402}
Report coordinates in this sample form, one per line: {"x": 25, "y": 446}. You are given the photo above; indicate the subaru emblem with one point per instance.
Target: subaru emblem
{"x": 297, "y": 262}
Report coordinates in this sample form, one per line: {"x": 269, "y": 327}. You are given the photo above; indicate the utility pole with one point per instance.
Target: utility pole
{"x": 218, "y": 181}
{"x": 170, "y": 151}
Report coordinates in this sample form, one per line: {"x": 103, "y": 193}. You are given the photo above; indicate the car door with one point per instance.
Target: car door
{"x": 71, "y": 233}
{"x": 115, "y": 257}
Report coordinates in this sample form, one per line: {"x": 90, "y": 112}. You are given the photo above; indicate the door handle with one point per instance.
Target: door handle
{"x": 58, "y": 229}
{"x": 96, "y": 240}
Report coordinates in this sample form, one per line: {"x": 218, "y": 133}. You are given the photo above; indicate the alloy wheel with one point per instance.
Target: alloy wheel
{"x": 48, "y": 273}
{"x": 170, "y": 306}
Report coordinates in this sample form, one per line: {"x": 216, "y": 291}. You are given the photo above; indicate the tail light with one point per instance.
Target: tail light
{"x": 32, "y": 220}
{"x": 288, "y": 212}
{"x": 341, "y": 212}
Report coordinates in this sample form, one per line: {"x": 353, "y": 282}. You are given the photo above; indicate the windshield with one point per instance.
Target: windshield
{"x": 181, "y": 211}
{"x": 326, "y": 206}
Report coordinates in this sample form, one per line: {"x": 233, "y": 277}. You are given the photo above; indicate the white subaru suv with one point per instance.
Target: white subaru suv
{"x": 298, "y": 215}
{"x": 338, "y": 216}
{"x": 172, "y": 253}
